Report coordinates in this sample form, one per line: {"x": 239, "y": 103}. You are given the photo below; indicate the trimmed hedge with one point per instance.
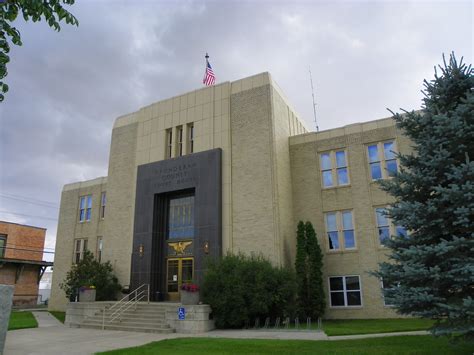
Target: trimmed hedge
{"x": 242, "y": 288}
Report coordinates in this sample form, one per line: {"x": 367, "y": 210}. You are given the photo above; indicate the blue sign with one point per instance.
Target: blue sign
{"x": 181, "y": 313}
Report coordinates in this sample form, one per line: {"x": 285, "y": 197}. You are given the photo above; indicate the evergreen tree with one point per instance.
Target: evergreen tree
{"x": 432, "y": 269}
{"x": 308, "y": 265}
{"x": 301, "y": 268}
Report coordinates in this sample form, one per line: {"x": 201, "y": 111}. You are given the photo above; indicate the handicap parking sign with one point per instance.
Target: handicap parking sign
{"x": 181, "y": 313}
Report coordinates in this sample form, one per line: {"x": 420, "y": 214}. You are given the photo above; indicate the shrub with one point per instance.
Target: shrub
{"x": 90, "y": 272}
{"x": 242, "y": 288}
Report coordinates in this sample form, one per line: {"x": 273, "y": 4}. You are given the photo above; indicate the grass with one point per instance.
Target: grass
{"x": 60, "y": 316}
{"x": 389, "y": 345}
{"x": 22, "y": 320}
{"x": 370, "y": 326}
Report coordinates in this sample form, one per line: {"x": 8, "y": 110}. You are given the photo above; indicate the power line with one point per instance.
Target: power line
{"x": 32, "y": 250}
{"x": 26, "y": 201}
{"x": 28, "y": 215}
{"x": 29, "y": 199}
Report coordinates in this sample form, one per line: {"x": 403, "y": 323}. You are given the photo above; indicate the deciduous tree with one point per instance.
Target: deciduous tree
{"x": 52, "y": 11}
{"x": 90, "y": 272}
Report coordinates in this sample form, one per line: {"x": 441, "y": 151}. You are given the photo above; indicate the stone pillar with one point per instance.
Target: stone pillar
{"x": 185, "y": 139}
{"x": 6, "y": 299}
{"x": 174, "y": 141}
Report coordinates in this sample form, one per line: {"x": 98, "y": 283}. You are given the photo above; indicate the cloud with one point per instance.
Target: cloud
{"x": 68, "y": 87}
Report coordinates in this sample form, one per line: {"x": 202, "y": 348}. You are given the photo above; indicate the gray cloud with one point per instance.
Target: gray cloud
{"x": 67, "y": 88}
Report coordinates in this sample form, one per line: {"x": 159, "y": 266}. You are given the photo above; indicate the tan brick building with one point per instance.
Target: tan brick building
{"x": 21, "y": 260}
{"x": 232, "y": 168}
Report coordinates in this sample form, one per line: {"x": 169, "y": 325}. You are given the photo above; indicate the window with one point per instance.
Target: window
{"x": 103, "y": 200}
{"x": 180, "y": 141}
{"x": 388, "y": 290}
{"x": 334, "y": 170}
{"x": 181, "y": 217}
{"x": 382, "y": 160}
{"x": 190, "y": 138}
{"x": 85, "y": 208}
{"x": 3, "y": 245}
{"x": 80, "y": 245}
{"x": 169, "y": 142}
{"x": 385, "y": 228}
{"x": 345, "y": 291}
{"x": 99, "y": 248}
{"x": 340, "y": 230}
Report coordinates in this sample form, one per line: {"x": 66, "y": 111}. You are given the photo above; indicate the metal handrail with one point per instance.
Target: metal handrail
{"x": 126, "y": 303}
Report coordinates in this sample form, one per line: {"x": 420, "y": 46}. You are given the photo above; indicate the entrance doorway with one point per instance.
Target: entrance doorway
{"x": 179, "y": 271}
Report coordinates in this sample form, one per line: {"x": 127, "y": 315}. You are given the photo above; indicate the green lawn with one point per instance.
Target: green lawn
{"x": 22, "y": 320}
{"x": 388, "y": 345}
{"x": 370, "y": 326}
{"x": 60, "y": 316}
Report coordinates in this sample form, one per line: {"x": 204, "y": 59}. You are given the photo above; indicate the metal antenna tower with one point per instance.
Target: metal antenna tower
{"x": 314, "y": 102}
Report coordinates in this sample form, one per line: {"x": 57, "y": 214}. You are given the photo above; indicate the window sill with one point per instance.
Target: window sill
{"x": 329, "y": 252}
{"x": 346, "y": 307}
{"x": 336, "y": 187}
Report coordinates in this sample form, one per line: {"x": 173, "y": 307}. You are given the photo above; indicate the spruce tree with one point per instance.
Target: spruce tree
{"x": 431, "y": 272}
{"x": 308, "y": 265}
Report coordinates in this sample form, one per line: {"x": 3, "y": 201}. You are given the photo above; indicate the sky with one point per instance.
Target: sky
{"x": 68, "y": 87}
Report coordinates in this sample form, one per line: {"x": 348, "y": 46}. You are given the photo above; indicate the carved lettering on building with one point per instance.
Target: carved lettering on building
{"x": 179, "y": 173}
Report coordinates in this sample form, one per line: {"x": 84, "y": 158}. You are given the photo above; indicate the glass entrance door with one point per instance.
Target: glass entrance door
{"x": 179, "y": 271}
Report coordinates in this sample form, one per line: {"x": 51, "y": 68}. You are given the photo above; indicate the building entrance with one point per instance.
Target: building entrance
{"x": 179, "y": 271}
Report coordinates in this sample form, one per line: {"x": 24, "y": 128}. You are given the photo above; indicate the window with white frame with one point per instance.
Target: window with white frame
{"x": 340, "y": 230}
{"x": 100, "y": 245}
{"x": 103, "y": 201}
{"x": 169, "y": 143}
{"x": 80, "y": 245}
{"x": 382, "y": 160}
{"x": 345, "y": 291}
{"x": 334, "y": 169}
{"x": 179, "y": 131}
{"x": 385, "y": 228}
{"x": 85, "y": 208}
{"x": 388, "y": 289}
{"x": 190, "y": 138}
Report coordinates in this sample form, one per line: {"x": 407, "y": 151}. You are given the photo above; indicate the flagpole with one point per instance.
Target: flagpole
{"x": 205, "y": 72}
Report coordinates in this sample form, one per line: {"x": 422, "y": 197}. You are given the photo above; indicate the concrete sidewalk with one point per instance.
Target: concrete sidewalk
{"x": 378, "y": 335}
{"x": 63, "y": 340}
{"x": 54, "y": 338}
{"x": 46, "y": 319}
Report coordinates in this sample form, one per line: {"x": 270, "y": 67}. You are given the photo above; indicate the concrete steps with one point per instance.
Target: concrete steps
{"x": 146, "y": 318}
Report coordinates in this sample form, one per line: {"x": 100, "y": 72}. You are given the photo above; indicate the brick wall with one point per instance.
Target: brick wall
{"x": 23, "y": 242}
{"x": 26, "y": 243}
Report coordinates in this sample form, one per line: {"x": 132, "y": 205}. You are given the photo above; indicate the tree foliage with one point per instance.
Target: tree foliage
{"x": 52, "y": 11}
{"x": 90, "y": 272}
{"x": 309, "y": 277}
{"x": 243, "y": 288}
{"x": 432, "y": 269}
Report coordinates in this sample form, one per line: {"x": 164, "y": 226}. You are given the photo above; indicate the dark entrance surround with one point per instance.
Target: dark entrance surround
{"x": 197, "y": 174}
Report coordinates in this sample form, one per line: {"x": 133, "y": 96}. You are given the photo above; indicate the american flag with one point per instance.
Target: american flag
{"x": 209, "y": 77}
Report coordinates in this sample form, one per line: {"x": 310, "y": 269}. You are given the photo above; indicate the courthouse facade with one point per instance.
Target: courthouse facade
{"x": 231, "y": 168}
